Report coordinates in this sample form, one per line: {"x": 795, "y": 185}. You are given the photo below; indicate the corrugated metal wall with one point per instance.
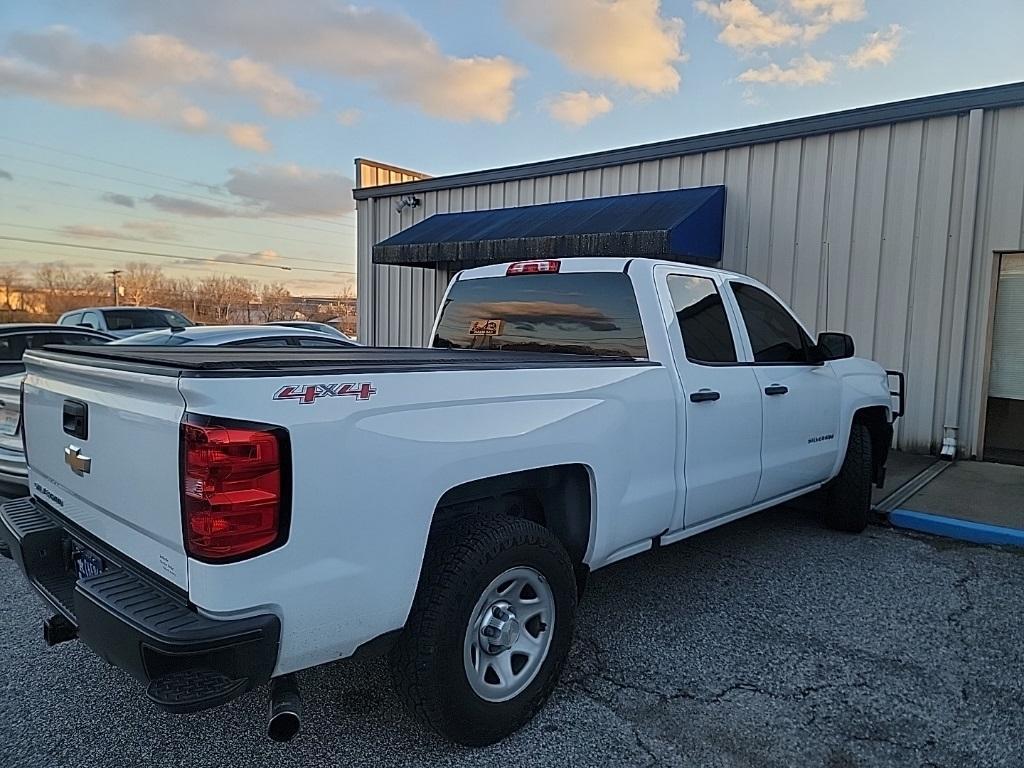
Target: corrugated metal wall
{"x": 884, "y": 232}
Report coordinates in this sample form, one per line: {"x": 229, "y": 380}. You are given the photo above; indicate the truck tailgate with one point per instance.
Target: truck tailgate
{"x": 103, "y": 449}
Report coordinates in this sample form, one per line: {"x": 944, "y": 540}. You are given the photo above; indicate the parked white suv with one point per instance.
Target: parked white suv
{"x": 213, "y": 518}
{"x": 125, "y": 321}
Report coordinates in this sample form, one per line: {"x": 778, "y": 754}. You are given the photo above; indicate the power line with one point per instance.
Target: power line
{"x": 93, "y": 208}
{"x": 177, "y": 256}
{"x": 219, "y": 201}
{"x": 115, "y": 236}
{"x": 106, "y": 162}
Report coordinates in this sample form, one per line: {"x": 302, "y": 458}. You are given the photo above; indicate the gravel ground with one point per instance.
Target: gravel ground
{"x": 769, "y": 642}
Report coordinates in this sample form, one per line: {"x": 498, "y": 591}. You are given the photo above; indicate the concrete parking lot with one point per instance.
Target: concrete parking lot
{"x": 769, "y": 642}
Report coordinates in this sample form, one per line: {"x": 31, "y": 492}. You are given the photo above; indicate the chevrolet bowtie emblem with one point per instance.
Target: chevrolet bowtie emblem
{"x": 79, "y": 464}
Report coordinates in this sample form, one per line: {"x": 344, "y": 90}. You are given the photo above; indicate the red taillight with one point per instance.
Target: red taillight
{"x": 533, "y": 267}
{"x": 234, "y": 479}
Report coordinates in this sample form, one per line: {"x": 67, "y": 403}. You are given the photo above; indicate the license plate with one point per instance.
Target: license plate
{"x": 9, "y": 421}
{"x": 86, "y": 563}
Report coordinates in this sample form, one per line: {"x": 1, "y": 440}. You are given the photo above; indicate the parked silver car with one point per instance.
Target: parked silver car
{"x": 125, "y": 321}
{"x": 310, "y": 325}
{"x": 15, "y": 339}
{"x": 237, "y": 336}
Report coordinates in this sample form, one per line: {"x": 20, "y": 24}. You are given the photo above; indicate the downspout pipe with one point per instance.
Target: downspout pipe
{"x": 959, "y": 347}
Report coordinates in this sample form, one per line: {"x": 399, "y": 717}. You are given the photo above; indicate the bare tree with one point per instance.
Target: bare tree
{"x": 142, "y": 284}
{"x": 222, "y": 299}
{"x": 214, "y": 299}
{"x": 65, "y": 289}
{"x": 274, "y": 300}
{"x": 13, "y": 294}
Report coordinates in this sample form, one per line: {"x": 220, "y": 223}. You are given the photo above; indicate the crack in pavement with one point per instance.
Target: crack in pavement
{"x": 604, "y": 673}
{"x": 961, "y": 588}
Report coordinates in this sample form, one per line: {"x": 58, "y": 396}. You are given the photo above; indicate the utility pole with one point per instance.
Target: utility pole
{"x": 114, "y": 273}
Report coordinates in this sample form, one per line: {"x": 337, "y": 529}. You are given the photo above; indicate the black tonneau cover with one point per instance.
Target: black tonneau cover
{"x": 241, "y": 361}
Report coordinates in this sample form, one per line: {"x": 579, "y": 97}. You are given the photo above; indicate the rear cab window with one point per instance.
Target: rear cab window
{"x": 701, "y": 320}
{"x": 582, "y": 313}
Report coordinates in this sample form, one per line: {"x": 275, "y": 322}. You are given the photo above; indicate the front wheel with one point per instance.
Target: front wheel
{"x": 489, "y": 630}
{"x": 847, "y": 501}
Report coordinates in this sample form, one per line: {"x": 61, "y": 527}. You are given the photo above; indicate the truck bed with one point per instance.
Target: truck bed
{"x": 231, "y": 361}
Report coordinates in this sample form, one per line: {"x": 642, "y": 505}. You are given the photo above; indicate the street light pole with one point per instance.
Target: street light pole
{"x": 114, "y": 273}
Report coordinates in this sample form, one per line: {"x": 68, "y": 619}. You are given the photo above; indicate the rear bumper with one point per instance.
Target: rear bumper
{"x": 133, "y": 622}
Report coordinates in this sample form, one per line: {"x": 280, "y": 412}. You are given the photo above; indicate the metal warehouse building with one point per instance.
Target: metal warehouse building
{"x": 899, "y": 224}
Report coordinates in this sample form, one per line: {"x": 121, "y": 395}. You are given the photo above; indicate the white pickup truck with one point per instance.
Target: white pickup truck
{"x": 214, "y": 519}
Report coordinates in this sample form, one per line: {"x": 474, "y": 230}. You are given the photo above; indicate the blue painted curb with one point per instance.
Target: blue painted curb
{"x": 966, "y": 530}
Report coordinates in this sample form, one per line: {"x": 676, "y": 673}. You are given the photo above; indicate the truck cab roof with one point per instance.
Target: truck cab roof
{"x": 594, "y": 264}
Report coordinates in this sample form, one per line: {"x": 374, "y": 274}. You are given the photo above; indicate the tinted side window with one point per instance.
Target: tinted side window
{"x": 78, "y": 338}
{"x": 774, "y": 335}
{"x": 40, "y": 340}
{"x": 321, "y": 343}
{"x": 74, "y": 319}
{"x": 581, "y": 313}
{"x": 277, "y": 341}
{"x": 12, "y": 346}
{"x": 701, "y": 318}
{"x": 90, "y": 319}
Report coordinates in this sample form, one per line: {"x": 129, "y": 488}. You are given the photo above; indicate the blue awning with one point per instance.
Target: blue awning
{"x": 681, "y": 225}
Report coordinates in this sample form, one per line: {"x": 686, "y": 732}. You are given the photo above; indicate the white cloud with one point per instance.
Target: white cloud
{"x": 278, "y": 95}
{"x": 388, "y": 51}
{"x": 145, "y": 77}
{"x": 805, "y": 70}
{"x": 114, "y": 198}
{"x": 152, "y": 230}
{"x": 130, "y": 230}
{"x": 746, "y": 26}
{"x": 577, "y": 108}
{"x": 825, "y": 14}
{"x": 627, "y": 42}
{"x": 270, "y": 190}
{"x": 185, "y": 206}
{"x": 349, "y": 117}
{"x": 248, "y": 136}
{"x": 88, "y": 230}
{"x": 831, "y": 11}
{"x": 878, "y": 49}
{"x": 266, "y": 256}
{"x": 291, "y": 190}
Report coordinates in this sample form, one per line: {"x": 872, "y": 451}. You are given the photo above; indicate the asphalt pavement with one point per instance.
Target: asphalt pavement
{"x": 768, "y": 642}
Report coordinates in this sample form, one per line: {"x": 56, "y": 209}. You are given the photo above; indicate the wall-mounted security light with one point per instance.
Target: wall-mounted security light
{"x": 408, "y": 201}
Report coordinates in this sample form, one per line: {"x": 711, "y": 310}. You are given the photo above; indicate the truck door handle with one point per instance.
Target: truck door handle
{"x": 76, "y": 419}
{"x": 704, "y": 396}
{"x": 776, "y": 389}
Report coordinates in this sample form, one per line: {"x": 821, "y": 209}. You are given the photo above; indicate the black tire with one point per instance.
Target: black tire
{"x": 427, "y": 661}
{"x": 847, "y": 502}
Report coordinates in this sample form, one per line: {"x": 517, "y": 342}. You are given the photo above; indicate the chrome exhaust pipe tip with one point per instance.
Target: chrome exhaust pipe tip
{"x": 285, "y": 708}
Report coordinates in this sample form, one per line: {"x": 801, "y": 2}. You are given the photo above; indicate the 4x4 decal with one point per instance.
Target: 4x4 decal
{"x": 310, "y": 393}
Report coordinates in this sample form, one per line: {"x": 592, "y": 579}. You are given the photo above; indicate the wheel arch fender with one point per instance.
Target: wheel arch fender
{"x": 865, "y": 399}
{"x": 560, "y": 497}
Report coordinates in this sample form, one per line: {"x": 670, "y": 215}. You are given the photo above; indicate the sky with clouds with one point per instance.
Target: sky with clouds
{"x": 225, "y": 131}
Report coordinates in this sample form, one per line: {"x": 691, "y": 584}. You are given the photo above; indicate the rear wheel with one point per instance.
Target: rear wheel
{"x": 489, "y": 629}
{"x": 847, "y": 502}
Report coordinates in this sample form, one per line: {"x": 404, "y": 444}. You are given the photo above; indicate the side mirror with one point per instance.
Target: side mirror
{"x": 835, "y": 346}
